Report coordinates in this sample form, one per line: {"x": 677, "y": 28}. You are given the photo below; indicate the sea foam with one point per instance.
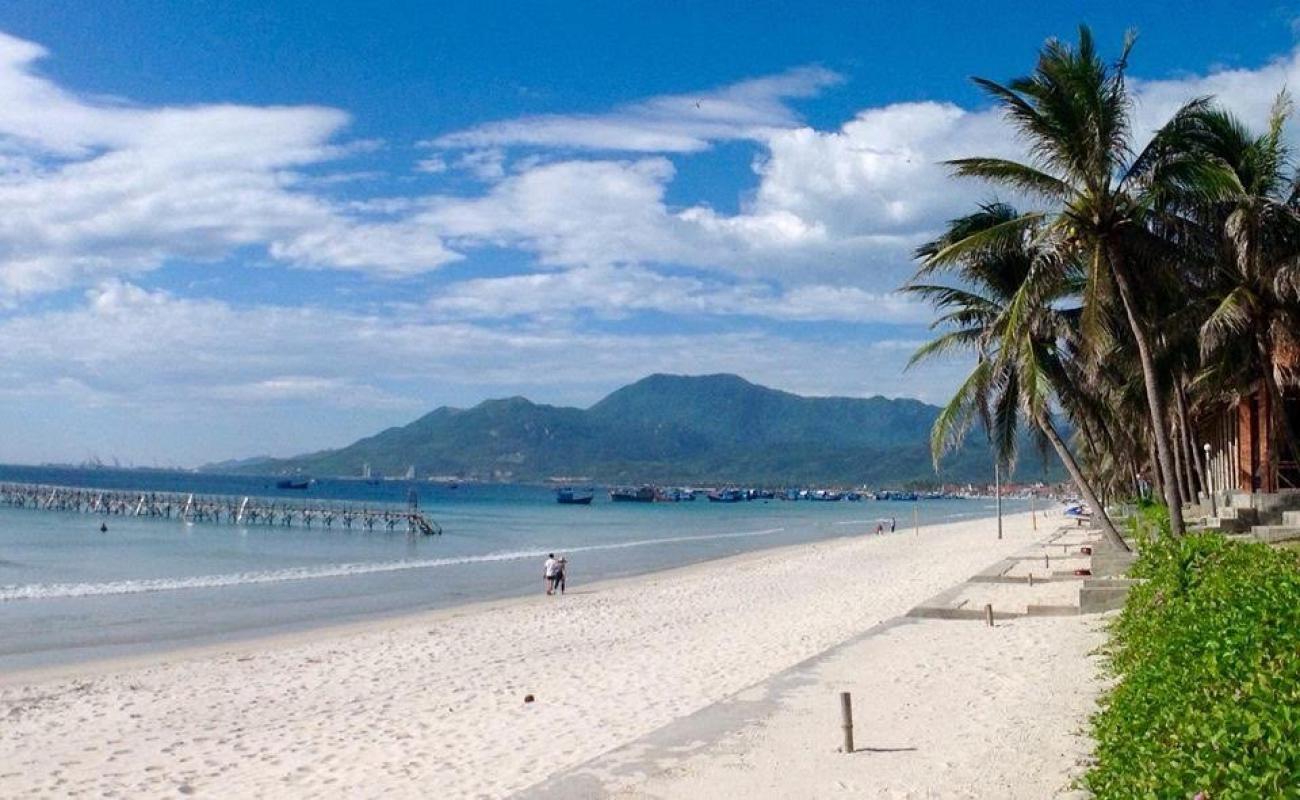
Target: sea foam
{"x": 41, "y": 591}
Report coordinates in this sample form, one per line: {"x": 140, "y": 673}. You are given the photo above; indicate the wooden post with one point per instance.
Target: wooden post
{"x": 916, "y": 518}
{"x": 846, "y": 720}
{"x": 988, "y": 614}
{"x": 1033, "y": 512}
{"x": 1031, "y": 580}
{"x": 997, "y": 483}
{"x": 1047, "y": 561}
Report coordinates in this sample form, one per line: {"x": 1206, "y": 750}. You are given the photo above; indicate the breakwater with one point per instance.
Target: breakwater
{"x": 234, "y": 510}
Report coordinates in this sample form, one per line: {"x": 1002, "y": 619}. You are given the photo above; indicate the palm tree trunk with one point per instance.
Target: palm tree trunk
{"x": 1085, "y": 488}
{"x": 1157, "y": 479}
{"x": 1188, "y": 486}
{"x": 1189, "y": 439}
{"x": 1155, "y": 402}
{"x": 1180, "y": 474}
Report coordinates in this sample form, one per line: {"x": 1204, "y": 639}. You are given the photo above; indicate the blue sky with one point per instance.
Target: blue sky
{"x": 239, "y": 228}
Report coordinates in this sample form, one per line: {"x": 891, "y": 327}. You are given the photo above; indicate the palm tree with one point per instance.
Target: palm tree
{"x": 1112, "y": 204}
{"x": 1256, "y": 287}
{"x": 1003, "y": 310}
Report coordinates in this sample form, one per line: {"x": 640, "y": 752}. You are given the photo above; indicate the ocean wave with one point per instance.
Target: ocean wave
{"x": 43, "y": 591}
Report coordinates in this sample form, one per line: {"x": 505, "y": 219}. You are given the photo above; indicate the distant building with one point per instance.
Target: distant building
{"x": 1247, "y": 452}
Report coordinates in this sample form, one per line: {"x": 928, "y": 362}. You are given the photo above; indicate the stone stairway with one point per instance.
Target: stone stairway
{"x": 1288, "y": 529}
{"x": 1232, "y": 519}
{"x": 1266, "y": 517}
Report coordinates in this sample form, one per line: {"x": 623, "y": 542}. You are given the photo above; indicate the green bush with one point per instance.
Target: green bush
{"x": 1207, "y": 657}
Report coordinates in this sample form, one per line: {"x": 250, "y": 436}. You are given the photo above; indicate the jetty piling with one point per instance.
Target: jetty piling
{"x": 190, "y": 507}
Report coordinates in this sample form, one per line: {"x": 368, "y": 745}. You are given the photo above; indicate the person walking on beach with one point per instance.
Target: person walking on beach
{"x": 549, "y": 570}
{"x": 559, "y": 573}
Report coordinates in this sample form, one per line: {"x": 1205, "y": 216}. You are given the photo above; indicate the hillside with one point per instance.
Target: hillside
{"x": 669, "y": 428}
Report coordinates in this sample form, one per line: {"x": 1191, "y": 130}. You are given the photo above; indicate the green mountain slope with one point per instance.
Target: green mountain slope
{"x": 670, "y": 428}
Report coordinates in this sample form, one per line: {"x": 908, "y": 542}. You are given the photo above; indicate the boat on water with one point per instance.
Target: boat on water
{"x": 897, "y": 496}
{"x": 727, "y": 496}
{"x": 626, "y": 494}
{"x": 299, "y": 484}
{"x": 568, "y": 496}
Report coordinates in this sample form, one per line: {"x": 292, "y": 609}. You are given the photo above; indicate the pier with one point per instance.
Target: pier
{"x": 233, "y": 510}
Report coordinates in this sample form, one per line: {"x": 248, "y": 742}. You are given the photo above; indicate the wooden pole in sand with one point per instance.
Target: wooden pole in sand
{"x": 988, "y": 614}
{"x": 846, "y": 720}
{"x": 1033, "y": 512}
{"x": 916, "y": 517}
{"x": 997, "y": 484}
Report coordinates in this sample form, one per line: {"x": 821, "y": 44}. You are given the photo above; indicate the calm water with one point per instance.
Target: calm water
{"x": 68, "y": 592}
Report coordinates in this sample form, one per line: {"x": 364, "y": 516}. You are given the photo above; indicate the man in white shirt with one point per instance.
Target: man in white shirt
{"x": 550, "y": 569}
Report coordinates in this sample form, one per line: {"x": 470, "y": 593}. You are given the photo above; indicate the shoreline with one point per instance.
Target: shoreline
{"x": 242, "y": 645}
{"x": 288, "y": 634}
{"x": 437, "y": 698}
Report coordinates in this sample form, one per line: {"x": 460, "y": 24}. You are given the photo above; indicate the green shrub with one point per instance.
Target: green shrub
{"x": 1207, "y": 657}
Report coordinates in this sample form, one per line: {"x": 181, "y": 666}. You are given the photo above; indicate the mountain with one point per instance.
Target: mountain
{"x": 238, "y": 464}
{"x": 669, "y": 428}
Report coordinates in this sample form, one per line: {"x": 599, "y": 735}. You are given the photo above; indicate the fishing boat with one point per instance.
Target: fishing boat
{"x": 298, "y": 484}
{"x": 726, "y": 496}
{"x": 568, "y": 496}
{"x": 623, "y": 494}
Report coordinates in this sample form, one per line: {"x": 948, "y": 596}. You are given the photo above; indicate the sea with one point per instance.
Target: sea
{"x": 71, "y": 593}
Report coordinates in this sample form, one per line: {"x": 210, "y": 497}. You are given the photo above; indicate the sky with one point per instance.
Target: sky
{"x": 241, "y": 228}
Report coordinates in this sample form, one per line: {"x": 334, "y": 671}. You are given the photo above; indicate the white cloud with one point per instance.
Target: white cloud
{"x": 615, "y": 292}
{"x": 142, "y": 348}
{"x": 1249, "y": 93}
{"x": 680, "y": 123}
{"x": 92, "y": 188}
{"x": 488, "y": 164}
{"x": 881, "y": 173}
{"x": 594, "y": 213}
{"x": 433, "y": 165}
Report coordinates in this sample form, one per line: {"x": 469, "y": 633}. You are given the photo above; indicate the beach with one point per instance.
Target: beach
{"x": 435, "y": 703}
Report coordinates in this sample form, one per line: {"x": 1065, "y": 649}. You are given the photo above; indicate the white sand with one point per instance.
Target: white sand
{"x": 1017, "y": 597}
{"x": 942, "y": 709}
{"x": 433, "y": 705}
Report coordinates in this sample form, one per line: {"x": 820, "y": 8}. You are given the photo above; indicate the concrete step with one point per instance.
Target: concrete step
{"x": 1267, "y": 502}
{"x": 1275, "y": 533}
{"x": 1102, "y": 596}
{"x": 1291, "y": 518}
{"x": 1248, "y": 516}
{"x": 1227, "y": 524}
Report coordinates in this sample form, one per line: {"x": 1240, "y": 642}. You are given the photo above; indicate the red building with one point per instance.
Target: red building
{"x": 1248, "y": 452}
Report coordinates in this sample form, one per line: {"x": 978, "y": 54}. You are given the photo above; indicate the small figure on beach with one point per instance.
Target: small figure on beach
{"x": 559, "y": 573}
{"x": 103, "y": 527}
{"x": 880, "y": 528}
{"x": 549, "y": 570}
{"x": 893, "y": 522}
